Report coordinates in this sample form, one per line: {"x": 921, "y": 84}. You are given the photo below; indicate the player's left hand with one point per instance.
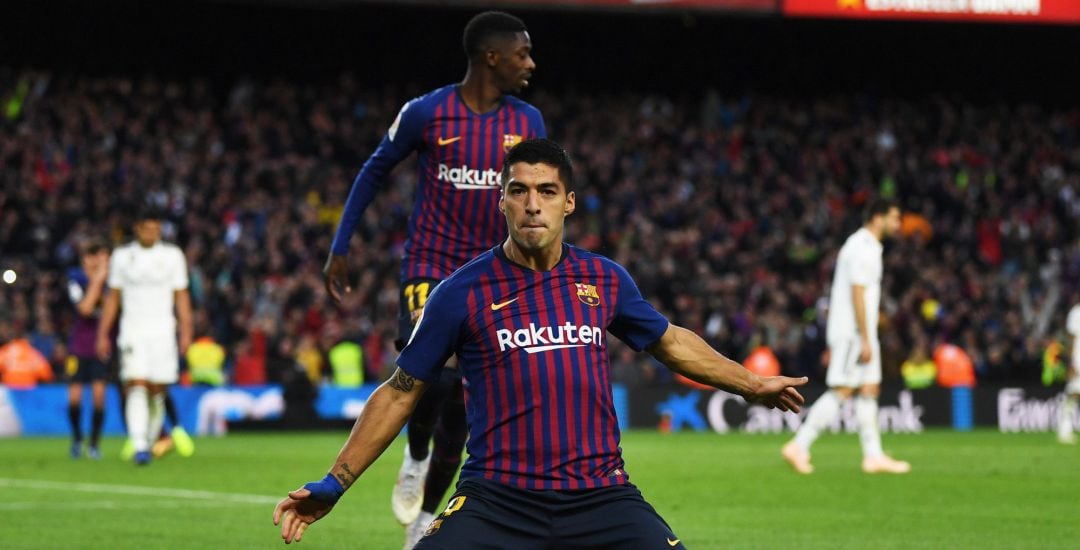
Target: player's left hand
{"x": 184, "y": 342}
{"x": 778, "y": 392}
{"x": 298, "y": 511}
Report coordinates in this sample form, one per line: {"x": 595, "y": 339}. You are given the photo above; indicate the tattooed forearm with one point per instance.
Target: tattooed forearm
{"x": 348, "y": 477}
{"x": 401, "y": 381}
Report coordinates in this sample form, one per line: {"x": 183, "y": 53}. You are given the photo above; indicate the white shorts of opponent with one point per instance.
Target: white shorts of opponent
{"x": 150, "y": 356}
{"x": 845, "y": 370}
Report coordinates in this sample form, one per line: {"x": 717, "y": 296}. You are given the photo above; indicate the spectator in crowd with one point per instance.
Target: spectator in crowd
{"x": 728, "y": 209}
{"x": 22, "y": 366}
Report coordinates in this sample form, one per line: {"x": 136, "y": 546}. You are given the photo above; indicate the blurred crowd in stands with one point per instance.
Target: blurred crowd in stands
{"x": 728, "y": 211}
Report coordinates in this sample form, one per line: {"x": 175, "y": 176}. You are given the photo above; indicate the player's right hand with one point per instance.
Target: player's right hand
{"x": 336, "y": 276}
{"x": 104, "y": 348}
{"x": 866, "y": 352}
{"x": 298, "y": 511}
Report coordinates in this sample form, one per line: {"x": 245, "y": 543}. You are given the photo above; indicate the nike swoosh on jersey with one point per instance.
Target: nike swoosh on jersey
{"x": 497, "y": 307}
{"x": 672, "y": 542}
{"x": 447, "y": 141}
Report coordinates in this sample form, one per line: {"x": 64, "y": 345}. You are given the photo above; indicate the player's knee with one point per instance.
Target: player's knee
{"x": 843, "y": 393}
{"x": 446, "y": 462}
{"x": 870, "y": 390}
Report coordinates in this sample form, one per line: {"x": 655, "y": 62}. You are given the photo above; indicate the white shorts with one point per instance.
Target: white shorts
{"x": 1073, "y": 386}
{"x": 150, "y": 357}
{"x": 845, "y": 370}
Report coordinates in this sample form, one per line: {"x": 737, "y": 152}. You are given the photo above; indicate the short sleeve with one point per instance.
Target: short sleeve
{"x": 1073, "y": 323}
{"x": 180, "y": 273}
{"x": 435, "y": 337}
{"x": 116, "y": 280}
{"x": 539, "y": 129}
{"x": 75, "y": 292}
{"x": 861, "y": 267}
{"x": 636, "y": 321}
{"x": 406, "y": 132}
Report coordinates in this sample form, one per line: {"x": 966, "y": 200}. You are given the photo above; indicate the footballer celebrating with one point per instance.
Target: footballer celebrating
{"x": 528, "y": 321}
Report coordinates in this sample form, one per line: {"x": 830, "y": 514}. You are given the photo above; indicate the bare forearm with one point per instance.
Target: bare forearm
{"x": 687, "y": 354}
{"x": 858, "y": 300}
{"x": 183, "y": 313}
{"x": 108, "y": 313}
{"x": 382, "y": 419}
{"x": 85, "y": 307}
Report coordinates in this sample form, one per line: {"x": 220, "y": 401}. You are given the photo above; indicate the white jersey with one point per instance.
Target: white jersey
{"x": 1072, "y": 325}
{"x": 148, "y": 279}
{"x": 859, "y": 263}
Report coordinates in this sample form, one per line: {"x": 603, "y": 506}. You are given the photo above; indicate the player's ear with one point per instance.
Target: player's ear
{"x": 491, "y": 58}
{"x": 502, "y": 201}
{"x": 568, "y": 208}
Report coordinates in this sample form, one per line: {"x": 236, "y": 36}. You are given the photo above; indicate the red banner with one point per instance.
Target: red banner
{"x": 1002, "y": 11}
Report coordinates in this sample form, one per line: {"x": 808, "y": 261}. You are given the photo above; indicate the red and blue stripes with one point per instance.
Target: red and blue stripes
{"x": 454, "y": 221}
{"x": 542, "y": 420}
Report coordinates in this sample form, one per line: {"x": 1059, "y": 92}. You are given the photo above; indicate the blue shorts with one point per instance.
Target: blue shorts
{"x": 487, "y": 514}
{"x": 89, "y": 370}
{"x": 414, "y": 295}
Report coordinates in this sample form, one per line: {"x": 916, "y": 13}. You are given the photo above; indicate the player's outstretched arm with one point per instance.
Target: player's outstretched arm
{"x": 687, "y": 354}
{"x": 336, "y": 276}
{"x": 383, "y": 418}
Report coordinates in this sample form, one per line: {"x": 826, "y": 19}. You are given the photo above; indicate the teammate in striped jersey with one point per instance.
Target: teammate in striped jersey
{"x": 461, "y": 133}
{"x": 528, "y": 321}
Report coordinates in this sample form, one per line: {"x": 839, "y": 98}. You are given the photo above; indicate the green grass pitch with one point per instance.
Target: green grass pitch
{"x": 967, "y": 490}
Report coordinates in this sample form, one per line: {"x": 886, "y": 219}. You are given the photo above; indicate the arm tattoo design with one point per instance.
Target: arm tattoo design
{"x": 348, "y": 478}
{"x": 401, "y": 381}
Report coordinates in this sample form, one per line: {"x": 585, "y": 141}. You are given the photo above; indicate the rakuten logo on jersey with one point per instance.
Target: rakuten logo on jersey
{"x": 537, "y": 339}
{"x": 464, "y": 177}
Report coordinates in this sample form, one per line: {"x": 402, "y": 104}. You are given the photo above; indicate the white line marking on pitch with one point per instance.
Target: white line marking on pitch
{"x": 106, "y": 505}
{"x": 238, "y": 498}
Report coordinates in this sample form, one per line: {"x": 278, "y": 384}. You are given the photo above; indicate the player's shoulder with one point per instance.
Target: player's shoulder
{"x": 76, "y": 273}
{"x": 1072, "y": 322}
{"x": 170, "y": 248}
{"x": 428, "y": 101}
{"x": 471, "y": 270}
{"x": 125, "y": 249}
{"x": 595, "y": 260}
{"x": 521, "y": 105}
{"x": 861, "y": 241}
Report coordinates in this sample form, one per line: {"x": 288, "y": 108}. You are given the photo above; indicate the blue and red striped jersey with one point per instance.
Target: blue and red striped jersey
{"x": 531, "y": 347}
{"x": 455, "y": 215}
{"x": 83, "y": 329}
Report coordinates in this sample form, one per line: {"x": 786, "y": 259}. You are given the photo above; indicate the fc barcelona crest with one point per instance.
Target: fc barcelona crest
{"x": 587, "y": 294}
{"x": 509, "y": 141}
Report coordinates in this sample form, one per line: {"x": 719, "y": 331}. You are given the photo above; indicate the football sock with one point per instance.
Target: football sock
{"x": 1065, "y": 415}
{"x": 866, "y": 412}
{"x": 96, "y": 422}
{"x": 138, "y": 417}
{"x": 451, "y": 431}
{"x": 157, "y": 413}
{"x": 76, "y": 424}
{"x": 821, "y": 414}
{"x": 423, "y": 419}
{"x": 170, "y": 412}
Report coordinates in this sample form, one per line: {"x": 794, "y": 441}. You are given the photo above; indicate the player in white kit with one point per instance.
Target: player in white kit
{"x": 1066, "y": 418}
{"x": 148, "y": 279}
{"x": 854, "y": 348}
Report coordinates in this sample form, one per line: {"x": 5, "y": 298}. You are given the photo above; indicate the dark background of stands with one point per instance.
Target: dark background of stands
{"x": 588, "y": 50}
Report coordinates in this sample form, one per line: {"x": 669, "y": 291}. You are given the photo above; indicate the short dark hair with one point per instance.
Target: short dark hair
{"x": 537, "y": 151}
{"x": 149, "y": 212}
{"x": 93, "y": 246}
{"x": 484, "y": 26}
{"x": 879, "y": 206}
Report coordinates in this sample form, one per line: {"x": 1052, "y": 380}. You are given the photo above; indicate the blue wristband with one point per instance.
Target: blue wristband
{"x": 327, "y": 490}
